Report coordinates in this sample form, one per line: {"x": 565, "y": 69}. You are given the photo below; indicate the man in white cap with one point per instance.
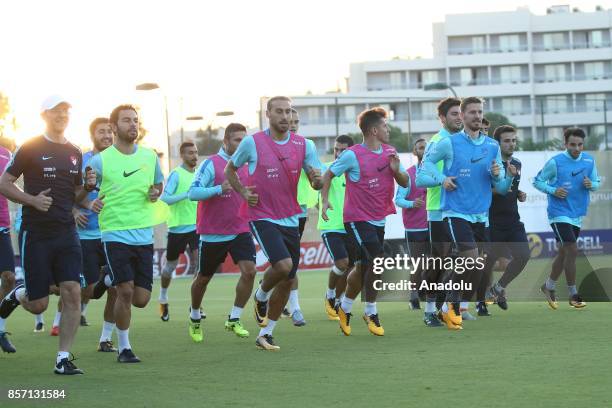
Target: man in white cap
{"x": 51, "y": 252}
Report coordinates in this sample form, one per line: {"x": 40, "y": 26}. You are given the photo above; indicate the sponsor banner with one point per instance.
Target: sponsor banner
{"x": 313, "y": 255}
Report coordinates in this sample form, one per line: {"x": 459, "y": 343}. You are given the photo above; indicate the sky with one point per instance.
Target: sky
{"x": 206, "y": 56}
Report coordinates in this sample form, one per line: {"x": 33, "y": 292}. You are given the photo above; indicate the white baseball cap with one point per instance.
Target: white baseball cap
{"x": 52, "y": 101}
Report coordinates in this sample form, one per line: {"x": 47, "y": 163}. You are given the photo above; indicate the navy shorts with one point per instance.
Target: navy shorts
{"x": 439, "y": 238}
{"x": 130, "y": 263}
{"x": 177, "y": 243}
{"x": 7, "y": 256}
{"x": 508, "y": 242}
{"x": 565, "y": 233}
{"x": 467, "y": 235}
{"x": 278, "y": 242}
{"x": 369, "y": 238}
{"x": 49, "y": 259}
{"x": 213, "y": 254}
{"x": 93, "y": 259}
{"x": 302, "y": 225}
{"x": 340, "y": 246}
{"x": 417, "y": 243}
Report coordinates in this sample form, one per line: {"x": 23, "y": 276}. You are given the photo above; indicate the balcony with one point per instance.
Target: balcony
{"x": 585, "y": 45}
{"x": 552, "y": 47}
{"x": 489, "y": 50}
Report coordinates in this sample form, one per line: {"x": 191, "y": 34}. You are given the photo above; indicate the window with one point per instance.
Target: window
{"x": 313, "y": 114}
{"x": 349, "y": 112}
{"x": 430, "y": 77}
{"x": 509, "y": 42}
{"x": 553, "y": 41}
{"x": 429, "y": 110}
{"x": 466, "y": 76}
{"x": 596, "y": 38}
{"x": 594, "y": 69}
{"x": 478, "y": 45}
{"x": 594, "y": 102}
{"x": 510, "y": 74}
{"x": 556, "y": 104}
{"x": 554, "y": 72}
{"x": 512, "y": 106}
{"x": 396, "y": 80}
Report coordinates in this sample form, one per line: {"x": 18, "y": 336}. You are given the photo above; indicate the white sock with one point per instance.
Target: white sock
{"x": 195, "y": 314}
{"x": 58, "y": 317}
{"x": 347, "y": 304}
{"x": 163, "y": 295}
{"x": 61, "y": 355}
{"x": 107, "y": 331}
{"x": 236, "y": 312}
{"x": 84, "y": 308}
{"x": 39, "y": 318}
{"x": 123, "y": 339}
{"x": 262, "y": 295}
{"x": 445, "y": 307}
{"x": 430, "y": 307}
{"x": 464, "y": 305}
{"x": 331, "y": 293}
{"x": 370, "y": 308}
{"x": 20, "y": 294}
{"x": 294, "y": 304}
{"x": 268, "y": 329}
{"x": 108, "y": 281}
{"x": 2, "y": 324}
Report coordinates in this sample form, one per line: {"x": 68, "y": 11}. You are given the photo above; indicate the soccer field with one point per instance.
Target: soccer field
{"x": 527, "y": 356}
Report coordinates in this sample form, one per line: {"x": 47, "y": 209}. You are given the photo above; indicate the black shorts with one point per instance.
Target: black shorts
{"x": 565, "y": 233}
{"x": 369, "y": 238}
{"x": 302, "y": 225}
{"x": 49, "y": 259}
{"x": 340, "y": 246}
{"x": 213, "y": 254}
{"x": 7, "y": 256}
{"x": 130, "y": 263}
{"x": 278, "y": 242}
{"x": 177, "y": 243}
{"x": 467, "y": 235}
{"x": 508, "y": 242}
{"x": 439, "y": 238}
{"x": 417, "y": 243}
{"x": 93, "y": 259}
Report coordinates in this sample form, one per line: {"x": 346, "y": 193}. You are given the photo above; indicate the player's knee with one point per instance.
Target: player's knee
{"x": 249, "y": 271}
{"x": 570, "y": 249}
{"x": 38, "y": 306}
{"x": 340, "y": 266}
{"x": 140, "y": 303}
{"x": 169, "y": 268}
{"x": 284, "y": 266}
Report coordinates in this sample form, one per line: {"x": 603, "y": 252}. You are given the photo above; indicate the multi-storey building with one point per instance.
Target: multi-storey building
{"x": 544, "y": 72}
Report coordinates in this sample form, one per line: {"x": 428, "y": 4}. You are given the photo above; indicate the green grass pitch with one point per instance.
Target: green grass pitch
{"x": 528, "y": 356}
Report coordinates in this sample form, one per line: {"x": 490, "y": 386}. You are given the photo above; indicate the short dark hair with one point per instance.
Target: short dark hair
{"x": 470, "y": 100}
{"x": 420, "y": 139}
{"x": 345, "y": 139}
{"x": 500, "y": 130}
{"x": 185, "y": 145}
{"x": 114, "y": 116}
{"x": 277, "y": 98}
{"x": 573, "y": 131}
{"x": 94, "y": 124}
{"x": 445, "y": 104}
{"x": 370, "y": 118}
{"x": 485, "y": 122}
{"x": 233, "y": 127}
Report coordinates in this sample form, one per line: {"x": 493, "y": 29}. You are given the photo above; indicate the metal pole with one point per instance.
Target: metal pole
{"x": 542, "y": 119}
{"x": 337, "y": 115}
{"x": 605, "y": 106}
{"x": 409, "y": 120}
